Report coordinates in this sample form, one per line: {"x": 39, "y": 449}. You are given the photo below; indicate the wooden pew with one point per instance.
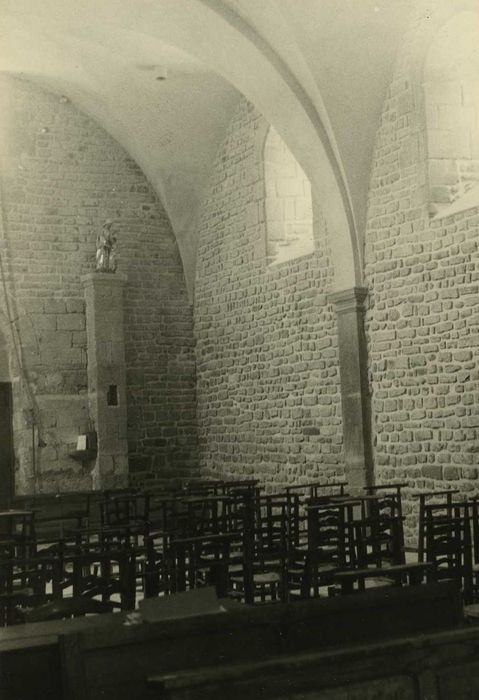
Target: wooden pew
{"x": 417, "y": 668}
{"x": 116, "y": 662}
{"x": 30, "y": 663}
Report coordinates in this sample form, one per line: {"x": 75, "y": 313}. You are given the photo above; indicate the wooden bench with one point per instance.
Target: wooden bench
{"x": 418, "y": 668}
{"x": 116, "y": 662}
{"x": 30, "y": 662}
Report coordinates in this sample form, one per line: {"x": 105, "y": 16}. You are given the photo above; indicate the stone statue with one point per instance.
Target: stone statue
{"x": 105, "y": 249}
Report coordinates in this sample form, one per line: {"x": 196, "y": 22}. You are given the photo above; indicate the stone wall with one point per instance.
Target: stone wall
{"x": 62, "y": 177}
{"x": 423, "y": 276}
{"x": 267, "y": 360}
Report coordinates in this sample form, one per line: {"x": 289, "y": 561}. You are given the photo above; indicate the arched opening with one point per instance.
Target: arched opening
{"x": 288, "y": 203}
{"x": 451, "y": 92}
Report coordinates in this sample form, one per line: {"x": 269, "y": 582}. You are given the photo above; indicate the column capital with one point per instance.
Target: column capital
{"x": 96, "y": 279}
{"x": 348, "y": 300}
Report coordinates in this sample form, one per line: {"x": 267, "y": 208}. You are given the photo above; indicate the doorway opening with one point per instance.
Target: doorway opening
{"x": 7, "y": 489}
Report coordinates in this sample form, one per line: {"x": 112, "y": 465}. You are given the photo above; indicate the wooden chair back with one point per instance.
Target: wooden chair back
{"x": 56, "y": 513}
{"x": 449, "y": 543}
{"x": 107, "y": 574}
{"x": 379, "y": 540}
{"x": 17, "y": 533}
{"x": 444, "y": 498}
{"x": 125, "y": 510}
{"x": 26, "y": 582}
{"x": 200, "y": 561}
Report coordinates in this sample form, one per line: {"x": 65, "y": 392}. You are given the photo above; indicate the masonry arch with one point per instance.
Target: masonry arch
{"x": 271, "y": 78}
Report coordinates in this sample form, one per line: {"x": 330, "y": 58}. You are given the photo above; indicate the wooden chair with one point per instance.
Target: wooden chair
{"x": 444, "y": 498}
{"x": 57, "y": 518}
{"x": 206, "y": 515}
{"x": 449, "y": 543}
{"x": 393, "y": 489}
{"x": 385, "y": 502}
{"x": 379, "y": 557}
{"x": 272, "y": 542}
{"x": 108, "y": 574}
{"x": 56, "y": 513}
{"x": 314, "y": 492}
{"x": 343, "y": 538}
{"x": 379, "y": 539}
{"x": 130, "y": 511}
{"x": 170, "y": 518}
{"x": 25, "y": 583}
{"x": 166, "y": 512}
{"x": 330, "y": 548}
{"x": 187, "y": 517}
{"x": 200, "y": 561}
{"x": 327, "y": 549}
{"x": 125, "y": 523}
{"x": 272, "y": 524}
{"x": 17, "y": 533}
{"x": 260, "y": 575}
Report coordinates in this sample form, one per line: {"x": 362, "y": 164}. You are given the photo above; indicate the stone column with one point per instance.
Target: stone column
{"x": 107, "y": 376}
{"x": 355, "y": 400}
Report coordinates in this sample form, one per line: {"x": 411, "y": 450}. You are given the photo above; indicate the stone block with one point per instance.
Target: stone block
{"x": 71, "y": 322}
{"x": 54, "y": 306}
{"x": 451, "y": 473}
{"x": 432, "y": 472}
{"x": 45, "y": 322}
{"x": 75, "y": 306}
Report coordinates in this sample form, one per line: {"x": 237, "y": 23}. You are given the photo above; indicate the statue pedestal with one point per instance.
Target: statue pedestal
{"x": 107, "y": 376}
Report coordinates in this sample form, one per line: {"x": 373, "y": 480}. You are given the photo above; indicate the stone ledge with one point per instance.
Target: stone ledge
{"x": 470, "y": 200}
{"x": 349, "y": 299}
{"x": 107, "y": 278}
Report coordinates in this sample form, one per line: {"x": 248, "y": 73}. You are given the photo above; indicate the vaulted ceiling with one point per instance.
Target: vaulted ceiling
{"x": 317, "y": 69}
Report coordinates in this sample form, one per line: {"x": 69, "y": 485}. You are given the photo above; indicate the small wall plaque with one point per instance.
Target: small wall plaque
{"x": 82, "y": 442}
